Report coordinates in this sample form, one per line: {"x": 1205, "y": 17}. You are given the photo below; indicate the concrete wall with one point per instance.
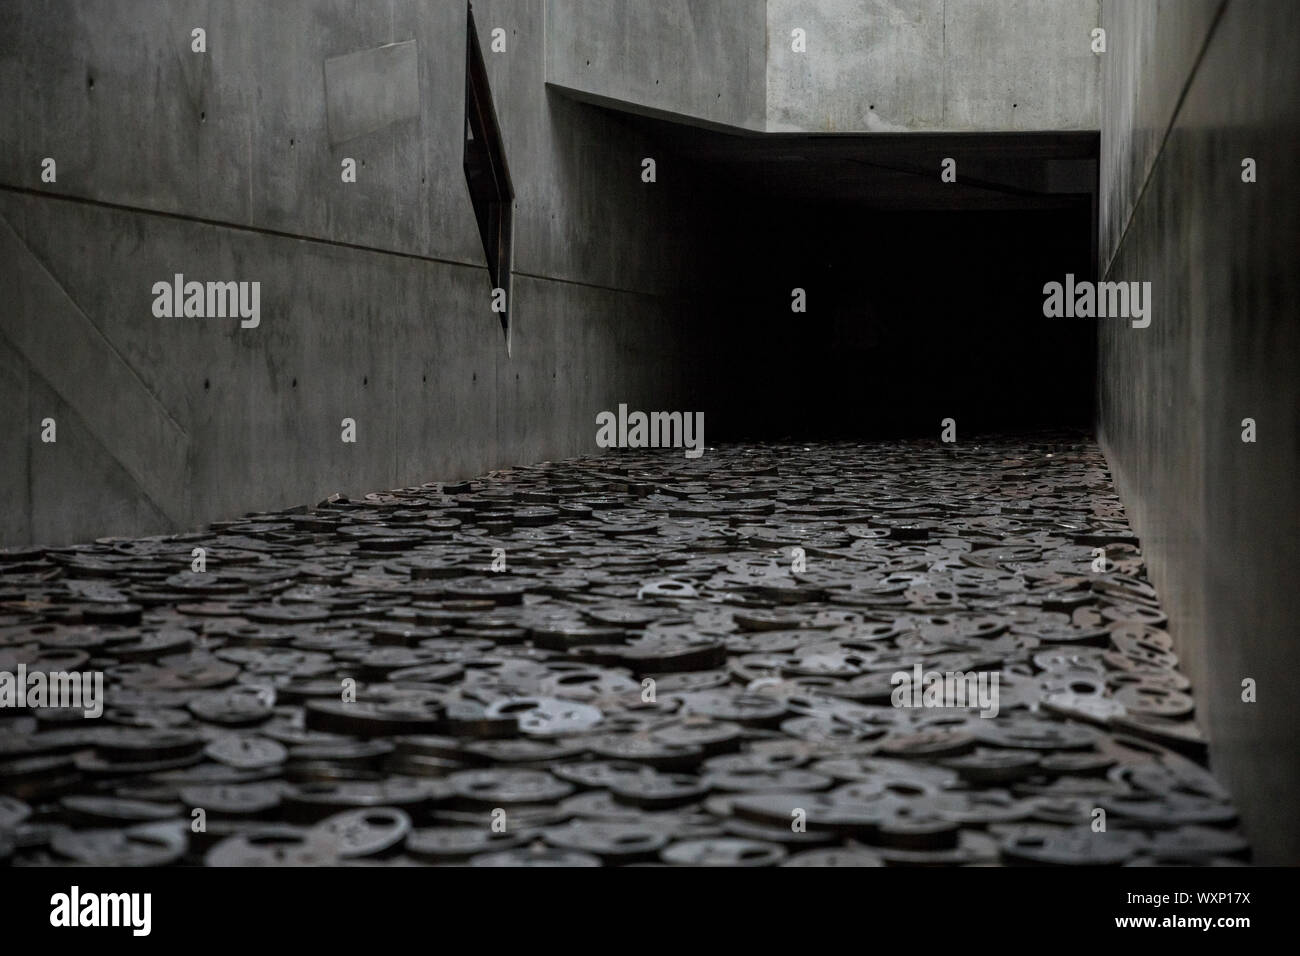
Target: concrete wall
{"x": 869, "y": 65}
{"x": 374, "y": 296}
{"x": 933, "y": 65}
{"x": 698, "y": 60}
{"x": 1189, "y": 90}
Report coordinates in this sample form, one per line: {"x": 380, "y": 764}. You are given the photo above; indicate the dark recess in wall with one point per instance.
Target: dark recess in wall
{"x": 911, "y": 318}
{"x": 924, "y": 291}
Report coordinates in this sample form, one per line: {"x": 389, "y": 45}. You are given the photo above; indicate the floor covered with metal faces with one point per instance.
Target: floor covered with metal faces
{"x": 895, "y": 654}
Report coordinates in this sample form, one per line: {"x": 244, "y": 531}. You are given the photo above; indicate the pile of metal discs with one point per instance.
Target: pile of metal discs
{"x": 626, "y": 660}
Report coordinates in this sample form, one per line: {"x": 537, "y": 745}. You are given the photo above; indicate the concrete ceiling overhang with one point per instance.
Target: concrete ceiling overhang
{"x": 995, "y": 171}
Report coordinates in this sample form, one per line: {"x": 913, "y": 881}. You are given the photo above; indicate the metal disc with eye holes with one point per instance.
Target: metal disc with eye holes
{"x": 1128, "y": 635}
{"x": 365, "y": 832}
{"x": 1061, "y": 658}
{"x": 724, "y": 851}
{"x": 589, "y": 683}
{"x": 875, "y": 688}
{"x": 155, "y": 645}
{"x": 881, "y": 771}
{"x": 153, "y": 717}
{"x": 647, "y": 750}
{"x": 315, "y": 801}
{"x": 528, "y": 689}
{"x": 779, "y": 780}
{"x": 287, "y": 613}
{"x": 1074, "y": 846}
{"x": 1127, "y": 614}
{"x": 659, "y": 791}
{"x": 753, "y": 710}
{"x": 1077, "y": 763}
{"x": 149, "y": 844}
{"x": 667, "y": 589}
{"x": 114, "y": 811}
{"x": 917, "y": 825}
{"x": 599, "y": 805}
{"x": 470, "y": 719}
{"x": 827, "y": 662}
{"x": 820, "y": 811}
{"x": 993, "y": 767}
{"x": 498, "y": 787}
{"x": 1034, "y": 735}
{"x": 129, "y": 744}
{"x": 974, "y": 848}
{"x": 765, "y": 642}
{"x": 1158, "y": 677}
{"x": 375, "y": 718}
{"x": 1150, "y": 700}
{"x": 933, "y": 743}
{"x": 1140, "y": 659}
{"x": 547, "y": 716}
{"x": 246, "y": 752}
{"x": 1171, "y": 809}
{"x": 220, "y": 799}
{"x": 440, "y": 844}
{"x": 785, "y": 834}
{"x": 828, "y": 731}
{"x": 980, "y": 807}
{"x": 612, "y": 841}
{"x": 713, "y": 736}
{"x": 1183, "y": 737}
{"x": 754, "y": 760}
{"x": 1093, "y": 708}
{"x": 760, "y": 620}
{"x": 523, "y": 752}
{"x": 237, "y": 707}
{"x": 667, "y": 653}
{"x": 282, "y": 846}
{"x": 688, "y": 681}
{"x": 598, "y": 774}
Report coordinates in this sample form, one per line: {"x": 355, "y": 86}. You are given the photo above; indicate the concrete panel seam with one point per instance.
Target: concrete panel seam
{"x": 1164, "y": 137}
{"x": 368, "y": 90}
{"x": 165, "y": 513}
{"x": 162, "y": 408}
{"x": 242, "y": 227}
{"x": 660, "y": 296}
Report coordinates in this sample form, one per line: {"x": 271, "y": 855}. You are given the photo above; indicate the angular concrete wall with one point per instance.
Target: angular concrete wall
{"x": 932, "y": 65}
{"x": 697, "y": 60}
{"x": 1189, "y": 91}
{"x": 867, "y": 65}
{"x": 375, "y": 301}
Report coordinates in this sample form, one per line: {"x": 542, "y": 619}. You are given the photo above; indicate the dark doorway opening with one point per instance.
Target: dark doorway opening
{"x": 923, "y": 297}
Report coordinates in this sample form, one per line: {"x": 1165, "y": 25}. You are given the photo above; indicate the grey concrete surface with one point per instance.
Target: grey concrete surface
{"x": 932, "y": 65}
{"x": 1189, "y": 90}
{"x": 869, "y": 66}
{"x": 367, "y": 90}
{"x": 374, "y": 296}
{"x": 700, "y": 60}
{"x": 1156, "y": 46}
